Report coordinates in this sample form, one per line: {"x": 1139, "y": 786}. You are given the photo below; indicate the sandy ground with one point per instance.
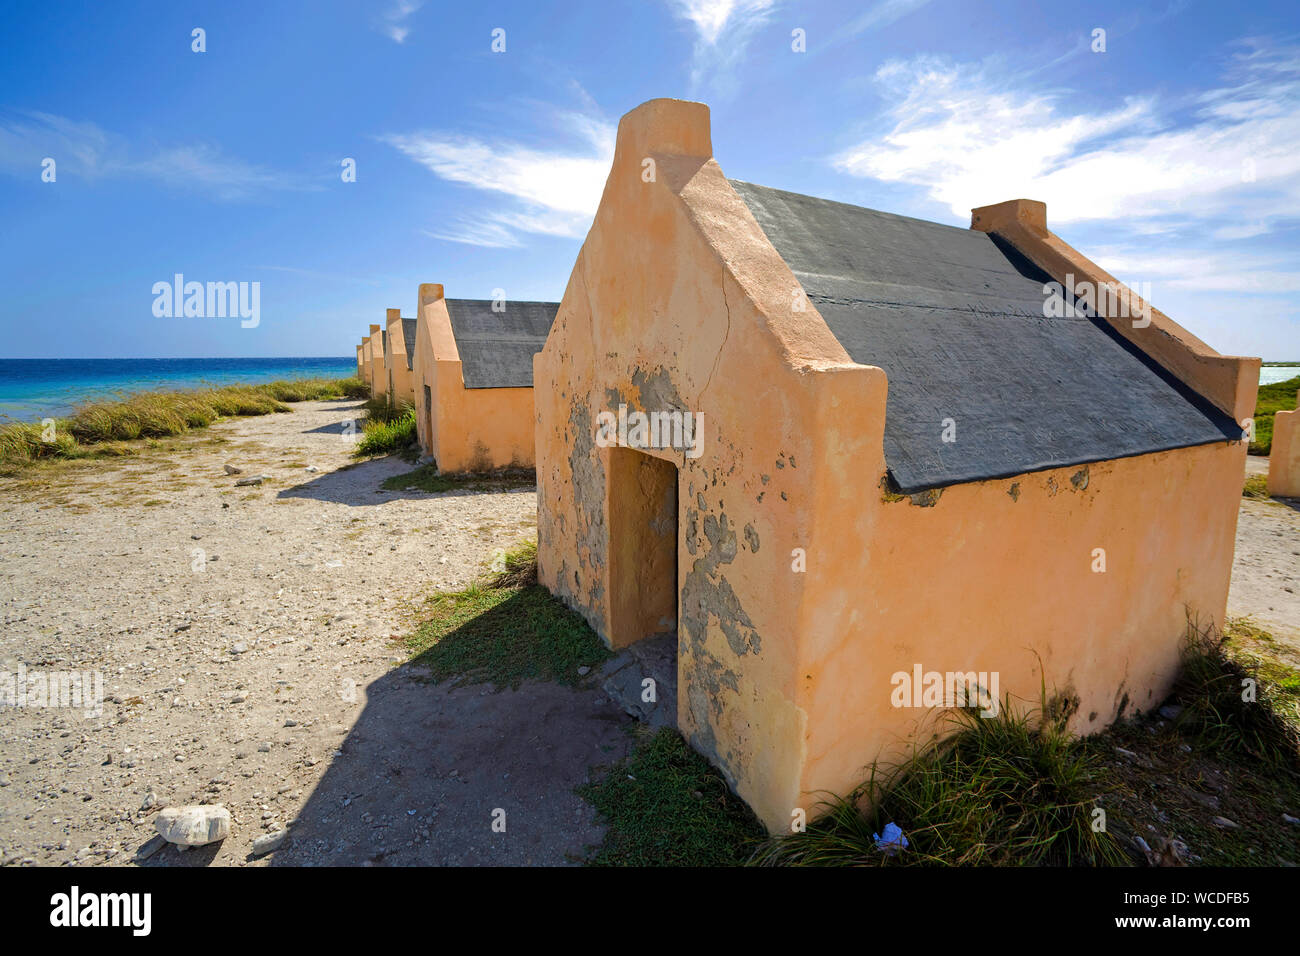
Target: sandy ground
{"x": 1266, "y": 566}
{"x": 246, "y": 636}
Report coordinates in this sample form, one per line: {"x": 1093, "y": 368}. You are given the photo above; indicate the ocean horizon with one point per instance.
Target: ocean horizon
{"x": 32, "y": 389}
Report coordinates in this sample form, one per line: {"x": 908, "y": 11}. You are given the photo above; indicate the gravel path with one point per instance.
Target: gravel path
{"x": 245, "y": 635}
{"x": 1266, "y": 566}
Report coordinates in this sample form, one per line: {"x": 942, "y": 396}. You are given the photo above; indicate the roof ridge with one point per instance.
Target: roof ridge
{"x": 854, "y": 206}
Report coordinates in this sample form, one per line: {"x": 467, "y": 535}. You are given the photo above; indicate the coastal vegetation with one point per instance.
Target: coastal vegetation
{"x": 1214, "y": 770}
{"x": 388, "y": 430}
{"x": 1278, "y": 397}
{"x": 106, "y": 428}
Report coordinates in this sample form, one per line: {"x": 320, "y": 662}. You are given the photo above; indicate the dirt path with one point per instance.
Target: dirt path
{"x": 244, "y": 636}
{"x": 1266, "y": 566}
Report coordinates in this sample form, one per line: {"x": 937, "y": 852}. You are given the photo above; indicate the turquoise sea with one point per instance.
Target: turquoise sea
{"x": 32, "y": 389}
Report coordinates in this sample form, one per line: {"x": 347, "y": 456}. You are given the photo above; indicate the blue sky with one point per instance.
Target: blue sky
{"x": 1172, "y": 158}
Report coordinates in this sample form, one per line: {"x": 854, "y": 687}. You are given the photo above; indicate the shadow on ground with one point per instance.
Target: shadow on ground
{"x": 361, "y": 484}
{"x": 338, "y": 428}
{"x": 427, "y": 768}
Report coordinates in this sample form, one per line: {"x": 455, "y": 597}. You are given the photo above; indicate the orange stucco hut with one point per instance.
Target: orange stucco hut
{"x": 367, "y": 362}
{"x": 361, "y": 361}
{"x": 910, "y": 453}
{"x": 473, "y": 375}
{"x": 399, "y": 348}
{"x": 1284, "y": 456}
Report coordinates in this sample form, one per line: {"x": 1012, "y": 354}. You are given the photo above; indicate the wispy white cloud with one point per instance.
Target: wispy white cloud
{"x": 1180, "y": 195}
{"x": 723, "y": 29}
{"x": 1202, "y": 269}
{"x": 87, "y": 151}
{"x": 555, "y": 191}
{"x": 392, "y": 23}
{"x": 710, "y": 17}
{"x": 880, "y": 15}
{"x": 968, "y": 137}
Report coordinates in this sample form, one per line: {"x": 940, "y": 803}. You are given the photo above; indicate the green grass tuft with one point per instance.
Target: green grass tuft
{"x": 1238, "y": 701}
{"x": 1006, "y": 790}
{"x": 1278, "y": 397}
{"x": 666, "y": 806}
{"x": 1255, "y": 488}
{"x": 93, "y": 429}
{"x": 387, "y": 436}
{"x": 504, "y": 631}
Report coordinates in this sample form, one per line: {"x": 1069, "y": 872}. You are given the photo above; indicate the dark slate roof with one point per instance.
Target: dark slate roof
{"x": 956, "y": 319}
{"x": 408, "y": 336}
{"x": 497, "y": 348}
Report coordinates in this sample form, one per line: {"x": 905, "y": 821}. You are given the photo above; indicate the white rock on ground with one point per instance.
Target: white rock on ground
{"x": 193, "y": 826}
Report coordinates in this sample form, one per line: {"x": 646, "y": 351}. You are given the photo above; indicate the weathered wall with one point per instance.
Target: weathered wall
{"x": 361, "y": 362}
{"x": 676, "y": 303}
{"x": 1002, "y": 576}
{"x": 378, "y": 371}
{"x": 400, "y": 378}
{"x": 470, "y": 429}
{"x": 423, "y": 369}
{"x": 367, "y": 364}
{"x": 1284, "y": 456}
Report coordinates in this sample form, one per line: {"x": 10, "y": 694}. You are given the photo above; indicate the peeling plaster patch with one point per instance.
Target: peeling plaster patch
{"x": 1014, "y": 491}
{"x": 718, "y": 531}
{"x": 926, "y": 499}
{"x": 699, "y": 500}
{"x": 658, "y": 393}
{"x": 888, "y": 490}
{"x": 692, "y": 530}
{"x": 1052, "y": 487}
{"x": 614, "y": 398}
{"x": 765, "y": 478}
{"x": 708, "y": 681}
{"x": 1080, "y": 479}
{"x": 706, "y": 593}
{"x": 751, "y": 538}
{"x": 589, "y": 501}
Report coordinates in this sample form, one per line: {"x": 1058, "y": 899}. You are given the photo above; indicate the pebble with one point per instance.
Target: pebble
{"x": 269, "y": 843}
{"x": 151, "y": 847}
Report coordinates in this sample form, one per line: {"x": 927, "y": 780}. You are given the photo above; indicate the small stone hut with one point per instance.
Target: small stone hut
{"x": 473, "y": 379}
{"x": 915, "y": 450}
